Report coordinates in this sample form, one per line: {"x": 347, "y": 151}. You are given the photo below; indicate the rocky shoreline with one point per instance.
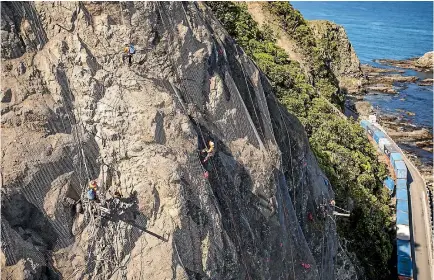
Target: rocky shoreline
{"x": 416, "y": 141}
{"x": 420, "y": 64}
{"x": 379, "y": 80}
{"x": 426, "y": 82}
{"x": 387, "y": 80}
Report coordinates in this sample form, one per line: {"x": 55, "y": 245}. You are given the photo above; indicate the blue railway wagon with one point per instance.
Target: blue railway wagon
{"x": 378, "y": 135}
{"x": 405, "y": 263}
{"x": 400, "y": 169}
{"x": 405, "y": 268}
{"x": 401, "y": 194}
{"x": 403, "y": 248}
{"x": 389, "y": 184}
{"x": 402, "y": 218}
{"x": 389, "y": 148}
{"x": 364, "y": 124}
{"x": 401, "y": 184}
{"x": 395, "y": 156}
{"x": 402, "y": 205}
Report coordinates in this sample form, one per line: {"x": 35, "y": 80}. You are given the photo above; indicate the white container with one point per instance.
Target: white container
{"x": 403, "y": 232}
{"x": 382, "y": 142}
{"x": 372, "y": 118}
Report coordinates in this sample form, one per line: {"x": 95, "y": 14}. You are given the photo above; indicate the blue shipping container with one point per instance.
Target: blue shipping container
{"x": 395, "y": 157}
{"x": 364, "y": 124}
{"x": 388, "y": 149}
{"x": 379, "y": 134}
{"x": 401, "y": 194}
{"x": 389, "y": 184}
{"x": 400, "y": 169}
{"x": 405, "y": 266}
{"x": 402, "y": 218}
{"x": 401, "y": 184}
{"x": 403, "y": 248}
{"x": 402, "y": 205}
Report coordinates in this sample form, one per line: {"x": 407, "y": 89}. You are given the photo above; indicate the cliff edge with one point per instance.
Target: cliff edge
{"x": 330, "y": 39}
{"x": 73, "y": 112}
{"x": 333, "y": 41}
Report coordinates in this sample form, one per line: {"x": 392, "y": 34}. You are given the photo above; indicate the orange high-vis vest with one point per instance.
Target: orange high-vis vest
{"x": 93, "y": 186}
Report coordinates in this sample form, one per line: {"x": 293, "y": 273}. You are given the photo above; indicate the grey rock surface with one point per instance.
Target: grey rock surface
{"x": 77, "y": 113}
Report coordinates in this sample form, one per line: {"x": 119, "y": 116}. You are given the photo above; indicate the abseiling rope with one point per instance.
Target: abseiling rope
{"x": 285, "y": 216}
{"x": 213, "y": 163}
{"x": 301, "y": 180}
{"x": 230, "y": 211}
{"x": 289, "y": 139}
{"x": 215, "y": 169}
{"x": 76, "y": 138}
{"x": 90, "y": 207}
{"x": 183, "y": 107}
{"x": 248, "y": 89}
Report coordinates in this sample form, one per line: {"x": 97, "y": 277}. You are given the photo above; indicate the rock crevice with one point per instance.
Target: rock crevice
{"x": 79, "y": 114}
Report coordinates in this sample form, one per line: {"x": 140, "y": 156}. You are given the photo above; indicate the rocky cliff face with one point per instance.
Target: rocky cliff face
{"x": 337, "y": 49}
{"x": 73, "y": 112}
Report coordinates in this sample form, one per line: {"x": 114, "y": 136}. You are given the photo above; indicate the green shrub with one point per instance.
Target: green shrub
{"x": 340, "y": 145}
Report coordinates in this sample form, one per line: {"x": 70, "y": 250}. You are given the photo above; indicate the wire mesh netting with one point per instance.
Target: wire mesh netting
{"x": 259, "y": 208}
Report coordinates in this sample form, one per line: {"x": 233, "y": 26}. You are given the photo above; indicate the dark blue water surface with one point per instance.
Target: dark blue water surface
{"x": 394, "y": 30}
{"x": 409, "y": 99}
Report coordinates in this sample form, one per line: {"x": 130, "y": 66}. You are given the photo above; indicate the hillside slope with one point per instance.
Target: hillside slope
{"x": 73, "y": 112}
{"x": 330, "y": 39}
{"x": 309, "y": 88}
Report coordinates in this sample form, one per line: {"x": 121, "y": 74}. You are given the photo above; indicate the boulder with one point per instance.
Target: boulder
{"x": 426, "y": 61}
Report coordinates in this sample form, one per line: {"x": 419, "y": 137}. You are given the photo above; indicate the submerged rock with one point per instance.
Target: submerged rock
{"x": 382, "y": 88}
{"x": 426, "y": 82}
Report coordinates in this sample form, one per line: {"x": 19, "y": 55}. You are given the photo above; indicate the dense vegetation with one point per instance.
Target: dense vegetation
{"x": 340, "y": 145}
{"x": 297, "y": 28}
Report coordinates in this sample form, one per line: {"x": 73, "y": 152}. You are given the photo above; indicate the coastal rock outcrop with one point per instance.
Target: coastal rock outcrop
{"x": 73, "y": 112}
{"x": 426, "y": 82}
{"x": 331, "y": 39}
{"x": 384, "y": 80}
{"x": 342, "y": 58}
{"x": 424, "y": 63}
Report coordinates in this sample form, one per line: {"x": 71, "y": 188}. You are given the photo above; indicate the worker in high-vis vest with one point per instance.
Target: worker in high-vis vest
{"x": 210, "y": 150}
{"x": 91, "y": 193}
{"x": 129, "y": 50}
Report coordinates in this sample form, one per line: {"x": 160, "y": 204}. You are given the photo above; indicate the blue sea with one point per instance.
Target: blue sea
{"x": 393, "y": 30}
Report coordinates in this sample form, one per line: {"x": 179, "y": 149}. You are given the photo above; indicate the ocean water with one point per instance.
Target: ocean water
{"x": 395, "y": 30}
{"x": 410, "y": 98}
